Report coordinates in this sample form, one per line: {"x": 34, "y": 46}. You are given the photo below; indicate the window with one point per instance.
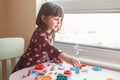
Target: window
{"x": 91, "y": 22}
{"x": 97, "y": 35}
{"x": 95, "y": 29}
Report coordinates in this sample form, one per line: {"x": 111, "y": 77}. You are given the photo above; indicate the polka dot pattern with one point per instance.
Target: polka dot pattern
{"x": 40, "y": 46}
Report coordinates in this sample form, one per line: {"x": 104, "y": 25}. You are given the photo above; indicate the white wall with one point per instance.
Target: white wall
{"x": 38, "y": 5}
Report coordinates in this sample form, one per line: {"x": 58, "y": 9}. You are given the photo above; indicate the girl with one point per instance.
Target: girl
{"x": 49, "y": 21}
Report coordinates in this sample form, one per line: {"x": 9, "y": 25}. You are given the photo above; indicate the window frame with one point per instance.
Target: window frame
{"x": 90, "y": 6}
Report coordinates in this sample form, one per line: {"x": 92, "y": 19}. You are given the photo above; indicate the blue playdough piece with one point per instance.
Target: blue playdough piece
{"x": 85, "y": 79}
{"x": 73, "y": 68}
{"x": 97, "y": 68}
{"x": 58, "y": 65}
{"x": 37, "y": 72}
{"x": 77, "y": 71}
{"x": 61, "y": 76}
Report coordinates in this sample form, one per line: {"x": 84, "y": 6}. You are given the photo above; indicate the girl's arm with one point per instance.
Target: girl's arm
{"x": 68, "y": 59}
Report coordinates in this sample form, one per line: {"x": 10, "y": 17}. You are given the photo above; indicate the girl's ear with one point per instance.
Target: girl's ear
{"x": 43, "y": 18}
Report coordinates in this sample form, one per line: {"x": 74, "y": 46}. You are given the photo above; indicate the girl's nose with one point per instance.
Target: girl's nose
{"x": 59, "y": 21}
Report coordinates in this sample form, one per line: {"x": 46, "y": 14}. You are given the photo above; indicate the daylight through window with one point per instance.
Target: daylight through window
{"x": 95, "y": 29}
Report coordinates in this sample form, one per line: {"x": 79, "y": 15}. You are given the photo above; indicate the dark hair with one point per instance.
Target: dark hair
{"x": 49, "y": 9}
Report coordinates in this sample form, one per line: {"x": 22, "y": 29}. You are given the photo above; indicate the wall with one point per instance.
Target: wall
{"x": 20, "y": 18}
{"x": 2, "y": 17}
{"x": 17, "y": 19}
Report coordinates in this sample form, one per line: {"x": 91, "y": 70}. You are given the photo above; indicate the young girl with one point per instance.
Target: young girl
{"x": 49, "y": 21}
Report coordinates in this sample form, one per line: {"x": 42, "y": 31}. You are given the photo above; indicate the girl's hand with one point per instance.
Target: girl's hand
{"x": 73, "y": 61}
{"x": 70, "y": 60}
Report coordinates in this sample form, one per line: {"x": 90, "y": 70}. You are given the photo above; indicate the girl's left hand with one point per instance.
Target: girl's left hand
{"x": 73, "y": 61}
{"x": 69, "y": 59}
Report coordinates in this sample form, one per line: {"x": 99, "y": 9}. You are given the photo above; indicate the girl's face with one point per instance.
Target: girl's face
{"x": 53, "y": 23}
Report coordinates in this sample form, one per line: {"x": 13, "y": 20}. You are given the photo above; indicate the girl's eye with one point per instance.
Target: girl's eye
{"x": 56, "y": 19}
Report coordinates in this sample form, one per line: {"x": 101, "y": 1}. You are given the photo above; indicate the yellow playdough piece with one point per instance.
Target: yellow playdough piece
{"x": 110, "y": 79}
{"x": 44, "y": 78}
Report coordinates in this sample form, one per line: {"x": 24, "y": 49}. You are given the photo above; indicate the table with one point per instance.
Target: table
{"x": 90, "y": 74}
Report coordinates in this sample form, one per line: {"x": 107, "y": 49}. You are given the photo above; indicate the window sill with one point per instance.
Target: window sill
{"x": 107, "y": 65}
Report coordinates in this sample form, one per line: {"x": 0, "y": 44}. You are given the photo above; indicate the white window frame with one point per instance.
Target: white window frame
{"x": 105, "y": 57}
{"x": 89, "y": 6}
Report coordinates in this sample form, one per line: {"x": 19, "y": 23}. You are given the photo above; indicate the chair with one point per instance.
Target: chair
{"x": 10, "y": 51}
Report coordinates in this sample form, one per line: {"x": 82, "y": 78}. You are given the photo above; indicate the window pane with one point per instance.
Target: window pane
{"x": 96, "y": 29}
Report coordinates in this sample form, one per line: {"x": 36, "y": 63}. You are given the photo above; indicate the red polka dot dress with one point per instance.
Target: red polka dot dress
{"x": 41, "y": 45}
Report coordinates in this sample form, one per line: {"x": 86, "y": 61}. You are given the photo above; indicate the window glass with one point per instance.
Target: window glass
{"x": 95, "y": 29}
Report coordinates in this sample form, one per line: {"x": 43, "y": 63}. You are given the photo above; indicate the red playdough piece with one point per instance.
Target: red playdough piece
{"x": 39, "y": 67}
{"x": 82, "y": 65}
{"x": 67, "y": 72}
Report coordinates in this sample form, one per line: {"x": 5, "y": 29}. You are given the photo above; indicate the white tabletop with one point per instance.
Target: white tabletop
{"x": 89, "y": 75}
